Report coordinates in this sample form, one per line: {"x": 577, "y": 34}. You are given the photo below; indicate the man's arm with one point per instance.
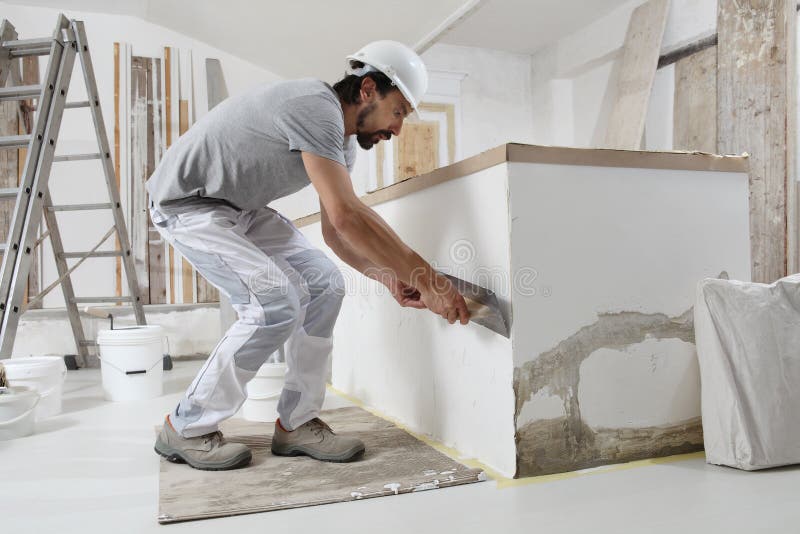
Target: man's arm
{"x": 342, "y": 249}
{"x": 369, "y": 238}
{"x": 404, "y": 294}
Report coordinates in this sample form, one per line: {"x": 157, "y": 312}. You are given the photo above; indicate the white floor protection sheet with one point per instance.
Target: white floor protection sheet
{"x": 748, "y": 345}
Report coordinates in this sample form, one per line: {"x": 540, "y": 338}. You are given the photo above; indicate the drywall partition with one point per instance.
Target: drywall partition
{"x": 449, "y": 381}
{"x": 594, "y": 255}
{"x": 604, "y": 357}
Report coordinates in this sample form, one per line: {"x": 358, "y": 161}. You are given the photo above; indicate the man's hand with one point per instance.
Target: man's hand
{"x": 405, "y": 295}
{"x": 442, "y": 298}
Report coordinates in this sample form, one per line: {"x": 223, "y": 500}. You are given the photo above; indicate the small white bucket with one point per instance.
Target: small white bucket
{"x": 263, "y": 393}
{"x": 17, "y": 412}
{"x": 131, "y": 362}
{"x": 43, "y": 374}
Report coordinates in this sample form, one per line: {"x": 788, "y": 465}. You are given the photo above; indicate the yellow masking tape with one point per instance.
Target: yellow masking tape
{"x": 505, "y": 482}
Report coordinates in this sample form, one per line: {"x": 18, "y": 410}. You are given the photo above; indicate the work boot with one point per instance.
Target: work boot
{"x": 317, "y": 440}
{"x": 209, "y": 452}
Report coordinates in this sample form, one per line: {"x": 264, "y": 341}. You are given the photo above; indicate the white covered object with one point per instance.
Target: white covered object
{"x": 748, "y": 345}
{"x": 43, "y": 374}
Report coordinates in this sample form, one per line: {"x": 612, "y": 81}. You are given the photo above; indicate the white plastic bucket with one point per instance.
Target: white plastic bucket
{"x": 263, "y": 393}
{"x": 17, "y": 412}
{"x": 43, "y": 374}
{"x": 131, "y": 362}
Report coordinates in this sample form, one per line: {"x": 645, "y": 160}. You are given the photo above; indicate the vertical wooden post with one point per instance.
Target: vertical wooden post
{"x": 695, "y": 109}
{"x": 756, "y": 95}
{"x": 30, "y": 76}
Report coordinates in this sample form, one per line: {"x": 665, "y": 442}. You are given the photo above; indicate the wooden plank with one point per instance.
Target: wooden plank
{"x": 143, "y": 72}
{"x": 380, "y": 157}
{"x": 158, "y": 104}
{"x": 416, "y": 152}
{"x": 30, "y": 76}
{"x": 168, "y": 94}
{"x": 450, "y": 113}
{"x": 695, "y": 109}
{"x": 637, "y": 72}
{"x": 186, "y": 267}
{"x": 9, "y": 125}
{"x": 756, "y": 114}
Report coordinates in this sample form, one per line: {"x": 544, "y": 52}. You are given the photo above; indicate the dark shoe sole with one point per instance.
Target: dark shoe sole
{"x": 175, "y": 456}
{"x": 349, "y": 456}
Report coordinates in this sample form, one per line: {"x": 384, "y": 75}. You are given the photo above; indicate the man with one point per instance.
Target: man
{"x": 208, "y": 199}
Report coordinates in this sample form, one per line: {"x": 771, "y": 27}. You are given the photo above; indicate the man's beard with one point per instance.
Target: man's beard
{"x": 368, "y": 139}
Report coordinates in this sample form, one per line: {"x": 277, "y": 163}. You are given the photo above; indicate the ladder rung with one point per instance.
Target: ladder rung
{"x": 20, "y": 92}
{"x": 88, "y": 343}
{"x": 96, "y": 254}
{"x": 80, "y": 207}
{"x": 80, "y": 104}
{"x": 15, "y": 141}
{"x": 76, "y": 157}
{"x": 41, "y": 51}
{"x": 82, "y": 300}
{"x": 9, "y": 192}
{"x": 23, "y": 44}
{"x": 3, "y": 247}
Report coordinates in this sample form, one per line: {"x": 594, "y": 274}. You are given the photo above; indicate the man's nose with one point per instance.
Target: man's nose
{"x": 396, "y": 127}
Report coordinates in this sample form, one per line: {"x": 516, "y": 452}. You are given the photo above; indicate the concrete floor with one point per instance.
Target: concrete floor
{"x": 92, "y": 470}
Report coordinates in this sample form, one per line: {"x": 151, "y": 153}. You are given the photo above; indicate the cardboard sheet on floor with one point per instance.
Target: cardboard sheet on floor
{"x": 395, "y": 462}
{"x": 748, "y": 346}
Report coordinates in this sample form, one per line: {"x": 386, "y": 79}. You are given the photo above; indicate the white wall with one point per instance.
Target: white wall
{"x": 495, "y": 94}
{"x": 584, "y": 65}
{"x": 82, "y": 182}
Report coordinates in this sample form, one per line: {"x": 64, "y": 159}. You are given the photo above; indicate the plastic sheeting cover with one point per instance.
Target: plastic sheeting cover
{"x": 748, "y": 345}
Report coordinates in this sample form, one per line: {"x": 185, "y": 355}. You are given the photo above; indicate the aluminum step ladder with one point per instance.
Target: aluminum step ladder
{"x": 33, "y": 200}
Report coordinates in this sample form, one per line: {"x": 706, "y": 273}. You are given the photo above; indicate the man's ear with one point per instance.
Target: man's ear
{"x": 368, "y": 89}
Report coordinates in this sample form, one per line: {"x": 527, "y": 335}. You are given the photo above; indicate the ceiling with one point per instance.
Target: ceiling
{"x": 293, "y": 38}
{"x": 524, "y": 26}
{"x": 311, "y": 37}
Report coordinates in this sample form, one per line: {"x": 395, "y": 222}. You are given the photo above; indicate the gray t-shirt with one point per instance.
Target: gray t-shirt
{"x": 246, "y": 151}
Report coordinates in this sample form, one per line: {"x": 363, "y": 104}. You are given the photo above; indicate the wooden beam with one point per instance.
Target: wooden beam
{"x": 756, "y": 94}
{"x": 695, "y": 109}
{"x": 637, "y": 72}
{"x": 689, "y": 49}
{"x": 30, "y": 76}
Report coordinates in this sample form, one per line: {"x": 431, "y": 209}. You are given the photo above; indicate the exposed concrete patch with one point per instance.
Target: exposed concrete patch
{"x": 567, "y": 443}
{"x": 547, "y": 446}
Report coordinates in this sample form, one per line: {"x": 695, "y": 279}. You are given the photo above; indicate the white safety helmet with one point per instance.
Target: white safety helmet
{"x": 397, "y": 61}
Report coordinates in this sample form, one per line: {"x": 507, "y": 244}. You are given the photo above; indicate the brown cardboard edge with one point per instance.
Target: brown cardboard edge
{"x": 462, "y": 168}
{"x": 521, "y": 153}
{"x": 637, "y": 159}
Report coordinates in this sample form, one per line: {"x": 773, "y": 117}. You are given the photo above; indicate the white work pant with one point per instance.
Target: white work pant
{"x": 283, "y": 289}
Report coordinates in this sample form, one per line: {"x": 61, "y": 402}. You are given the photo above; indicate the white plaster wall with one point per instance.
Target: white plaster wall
{"x": 82, "y": 182}
{"x": 189, "y": 331}
{"x": 646, "y": 384}
{"x": 495, "y": 94}
{"x": 601, "y": 239}
{"x": 588, "y": 62}
{"x": 452, "y": 382}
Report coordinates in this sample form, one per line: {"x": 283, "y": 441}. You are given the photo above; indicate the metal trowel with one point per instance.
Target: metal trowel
{"x": 482, "y": 304}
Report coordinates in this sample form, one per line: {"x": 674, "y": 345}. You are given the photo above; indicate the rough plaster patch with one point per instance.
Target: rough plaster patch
{"x": 544, "y": 446}
{"x": 567, "y": 443}
{"x": 652, "y": 383}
